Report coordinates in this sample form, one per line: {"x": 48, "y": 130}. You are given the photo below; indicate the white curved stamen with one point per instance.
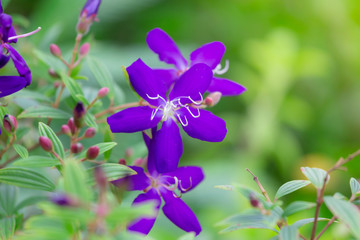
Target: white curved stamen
{"x": 183, "y": 124}
{"x": 185, "y": 189}
{"x": 182, "y": 105}
{"x": 194, "y": 116}
{"x": 195, "y": 102}
{"x": 157, "y": 97}
{"x": 24, "y": 35}
{"x": 153, "y": 113}
{"x": 220, "y": 71}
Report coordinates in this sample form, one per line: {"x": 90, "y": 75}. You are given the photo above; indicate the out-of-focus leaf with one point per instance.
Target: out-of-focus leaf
{"x": 108, "y": 137}
{"x": 3, "y": 112}
{"x": 103, "y": 147}
{"x": 45, "y": 130}
{"x": 25, "y": 93}
{"x": 289, "y": 233}
{"x": 37, "y": 161}
{"x": 112, "y": 171}
{"x": 187, "y": 236}
{"x": 44, "y": 112}
{"x": 69, "y": 215}
{"x": 355, "y": 186}
{"x": 247, "y": 217}
{"x": 75, "y": 180}
{"x": 346, "y": 212}
{"x": 74, "y": 88}
{"x": 48, "y": 60}
{"x": 315, "y": 175}
{"x": 247, "y": 226}
{"x": 44, "y": 227}
{"x": 29, "y": 201}
{"x": 302, "y": 222}
{"x": 20, "y": 132}
{"x": 7, "y": 227}
{"x": 297, "y": 206}
{"x": 290, "y": 187}
{"x": 90, "y": 120}
{"x": 26, "y": 178}
{"x": 8, "y": 196}
{"x": 21, "y": 150}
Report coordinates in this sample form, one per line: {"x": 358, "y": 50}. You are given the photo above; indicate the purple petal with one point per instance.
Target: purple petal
{"x": 226, "y": 87}
{"x": 12, "y": 33}
{"x": 91, "y": 7}
{"x": 134, "y": 182}
{"x": 189, "y": 177}
{"x": 11, "y": 84}
{"x": 168, "y": 147}
{"x": 193, "y": 83}
{"x": 206, "y": 127}
{"x": 162, "y": 44}
{"x": 210, "y": 54}
{"x": 20, "y": 64}
{"x": 133, "y": 120}
{"x": 144, "y": 225}
{"x": 176, "y": 210}
{"x": 167, "y": 76}
{"x": 5, "y": 25}
{"x": 3, "y": 59}
{"x": 145, "y": 83}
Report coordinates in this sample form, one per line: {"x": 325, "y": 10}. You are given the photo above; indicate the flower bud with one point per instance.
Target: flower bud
{"x": 103, "y": 92}
{"x": 122, "y": 161}
{"x": 212, "y": 99}
{"x": 62, "y": 199}
{"x": 79, "y": 113}
{"x": 53, "y": 73}
{"x": 56, "y": 84}
{"x": 90, "y": 132}
{"x": 139, "y": 162}
{"x": 71, "y": 125}
{"x": 46, "y": 143}
{"x": 76, "y": 147}
{"x": 55, "y": 50}
{"x": 254, "y": 201}
{"x": 92, "y": 152}
{"x": 65, "y": 129}
{"x": 10, "y": 123}
{"x": 84, "y": 49}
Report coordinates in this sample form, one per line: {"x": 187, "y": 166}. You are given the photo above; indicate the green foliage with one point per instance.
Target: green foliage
{"x": 21, "y": 150}
{"x": 75, "y": 180}
{"x": 44, "y": 112}
{"x": 36, "y": 162}
{"x": 355, "y": 186}
{"x": 290, "y": 187}
{"x": 315, "y": 175}
{"x": 112, "y": 171}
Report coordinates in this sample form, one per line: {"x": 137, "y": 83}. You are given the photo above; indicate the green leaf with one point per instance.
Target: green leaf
{"x": 290, "y": 187}
{"x": 8, "y": 197}
{"x": 7, "y": 227}
{"x": 346, "y": 212}
{"x": 247, "y": 226}
{"x": 37, "y": 161}
{"x": 45, "y": 130}
{"x": 3, "y": 112}
{"x": 74, "y": 88}
{"x": 289, "y": 233}
{"x": 302, "y": 222}
{"x": 44, "y": 227}
{"x": 103, "y": 147}
{"x": 112, "y": 171}
{"x": 108, "y": 137}
{"x": 26, "y": 178}
{"x": 21, "y": 150}
{"x": 315, "y": 175}
{"x": 44, "y": 112}
{"x": 297, "y": 206}
{"x": 355, "y": 186}
{"x": 29, "y": 201}
{"x": 90, "y": 120}
{"x": 75, "y": 180}
{"x": 25, "y": 93}
{"x": 187, "y": 236}
{"x": 247, "y": 217}
{"x": 105, "y": 79}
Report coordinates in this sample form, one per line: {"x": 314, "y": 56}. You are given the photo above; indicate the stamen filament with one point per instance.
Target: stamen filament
{"x": 220, "y": 71}
{"x": 153, "y": 113}
{"x": 157, "y": 97}
{"x": 25, "y": 35}
{"x": 187, "y": 108}
{"x": 183, "y": 124}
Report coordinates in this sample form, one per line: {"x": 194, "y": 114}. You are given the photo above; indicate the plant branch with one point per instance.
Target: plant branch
{"x": 262, "y": 189}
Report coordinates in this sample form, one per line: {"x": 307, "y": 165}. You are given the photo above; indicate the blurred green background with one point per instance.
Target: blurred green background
{"x": 299, "y": 61}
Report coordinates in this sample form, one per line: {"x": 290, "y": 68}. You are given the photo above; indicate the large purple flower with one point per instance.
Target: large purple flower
{"x": 163, "y": 186}
{"x": 211, "y": 54}
{"x": 182, "y": 105}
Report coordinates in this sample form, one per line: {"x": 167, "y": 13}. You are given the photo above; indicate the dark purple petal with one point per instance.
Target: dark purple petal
{"x": 20, "y": 64}
{"x": 145, "y": 83}
{"x": 206, "y": 127}
{"x": 193, "y": 83}
{"x": 168, "y": 147}
{"x": 12, "y": 33}
{"x": 91, "y": 7}
{"x": 134, "y": 182}
{"x": 144, "y": 225}
{"x": 1, "y": 8}
{"x": 167, "y": 76}
{"x": 11, "y": 84}
{"x": 176, "y": 210}
{"x": 3, "y": 59}
{"x": 5, "y": 25}
{"x": 162, "y": 44}
{"x": 188, "y": 176}
{"x": 147, "y": 139}
{"x": 210, "y": 54}
{"x": 226, "y": 87}
{"x": 133, "y": 120}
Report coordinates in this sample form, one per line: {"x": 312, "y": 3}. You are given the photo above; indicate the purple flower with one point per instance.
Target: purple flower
{"x": 163, "y": 186}
{"x": 211, "y": 53}
{"x": 182, "y": 105}
{"x": 91, "y": 8}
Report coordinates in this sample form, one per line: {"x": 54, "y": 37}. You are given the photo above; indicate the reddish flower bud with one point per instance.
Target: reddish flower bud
{"x": 10, "y": 123}
{"x": 122, "y": 161}
{"x": 46, "y": 143}
{"x": 139, "y": 162}
{"x": 71, "y": 125}
{"x": 65, "y": 129}
{"x": 103, "y": 92}
{"x": 56, "y": 84}
{"x": 254, "y": 201}
{"x": 90, "y": 132}
{"x": 84, "y": 49}
{"x": 79, "y": 113}
{"x": 76, "y": 147}
{"x": 53, "y": 73}
{"x": 92, "y": 152}
{"x": 212, "y": 99}
{"x": 55, "y": 50}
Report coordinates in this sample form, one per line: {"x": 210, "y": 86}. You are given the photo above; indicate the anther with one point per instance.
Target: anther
{"x": 177, "y": 196}
{"x": 220, "y": 71}
{"x": 185, "y": 189}
{"x": 25, "y": 35}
